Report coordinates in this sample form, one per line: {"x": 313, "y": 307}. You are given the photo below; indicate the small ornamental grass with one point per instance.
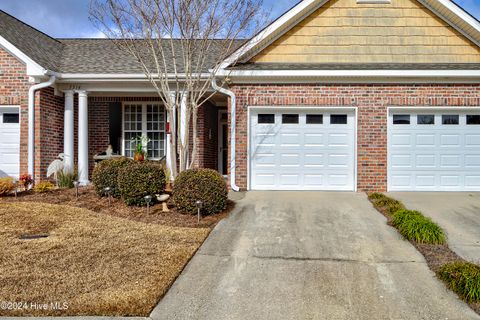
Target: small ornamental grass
{"x": 463, "y": 278}
{"x": 204, "y": 185}
{"x": 43, "y": 187}
{"x": 66, "y": 179}
{"x": 6, "y": 186}
{"x": 382, "y": 201}
{"x": 416, "y": 227}
{"x": 105, "y": 175}
{"x": 140, "y": 179}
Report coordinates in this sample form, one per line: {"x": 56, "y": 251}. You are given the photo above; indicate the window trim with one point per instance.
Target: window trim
{"x": 144, "y": 123}
{"x": 11, "y": 109}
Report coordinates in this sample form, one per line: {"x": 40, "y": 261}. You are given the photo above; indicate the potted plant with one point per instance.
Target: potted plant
{"x": 141, "y": 143}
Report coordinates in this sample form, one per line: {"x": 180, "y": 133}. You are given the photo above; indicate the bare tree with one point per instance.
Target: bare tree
{"x": 179, "y": 45}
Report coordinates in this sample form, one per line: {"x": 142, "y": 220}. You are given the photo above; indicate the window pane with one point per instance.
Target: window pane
{"x": 338, "y": 119}
{"x": 11, "y": 118}
{"x": 401, "y": 119}
{"x": 473, "y": 119}
{"x": 290, "y": 118}
{"x": 450, "y": 119}
{"x": 266, "y": 118}
{"x": 314, "y": 118}
{"x": 425, "y": 119}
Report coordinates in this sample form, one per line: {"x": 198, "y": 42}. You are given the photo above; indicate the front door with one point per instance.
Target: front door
{"x": 223, "y": 142}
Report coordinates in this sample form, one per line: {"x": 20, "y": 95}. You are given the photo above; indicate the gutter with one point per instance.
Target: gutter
{"x": 233, "y": 123}
{"x": 31, "y": 119}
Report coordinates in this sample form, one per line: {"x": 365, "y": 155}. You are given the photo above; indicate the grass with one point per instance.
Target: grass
{"x": 416, "y": 227}
{"x": 463, "y": 278}
{"x": 97, "y": 264}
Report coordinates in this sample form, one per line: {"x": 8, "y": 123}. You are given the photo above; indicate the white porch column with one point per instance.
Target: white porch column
{"x": 168, "y": 140}
{"x": 183, "y": 116}
{"x": 68, "y": 132}
{"x": 83, "y": 137}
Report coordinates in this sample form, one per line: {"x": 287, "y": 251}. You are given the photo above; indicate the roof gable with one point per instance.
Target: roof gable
{"x": 410, "y": 23}
{"x": 34, "y": 44}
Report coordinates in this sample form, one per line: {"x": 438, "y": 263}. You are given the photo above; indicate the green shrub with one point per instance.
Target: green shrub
{"x": 105, "y": 175}
{"x": 414, "y": 226}
{"x": 463, "y": 278}
{"x": 43, "y": 187}
{"x": 6, "y": 185}
{"x": 140, "y": 179}
{"x": 205, "y": 185}
{"x": 65, "y": 180}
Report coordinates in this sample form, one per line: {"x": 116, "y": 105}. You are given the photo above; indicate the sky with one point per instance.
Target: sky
{"x": 69, "y": 18}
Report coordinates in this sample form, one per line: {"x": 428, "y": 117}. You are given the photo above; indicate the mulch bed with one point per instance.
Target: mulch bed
{"x": 435, "y": 255}
{"x": 88, "y": 199}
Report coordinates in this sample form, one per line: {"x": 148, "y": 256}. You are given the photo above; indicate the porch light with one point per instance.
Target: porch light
{"x": 148, "y": 200}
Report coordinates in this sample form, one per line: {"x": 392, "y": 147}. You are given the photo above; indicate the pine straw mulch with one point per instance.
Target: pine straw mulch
{"x": 88, "y": 199}
{"x": 436, "y": 255}
{"x": 95, "y": 263}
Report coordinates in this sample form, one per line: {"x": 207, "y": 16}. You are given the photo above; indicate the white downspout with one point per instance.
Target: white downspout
{"x": 31, "y": 121}
{"x": 233, "y": 121}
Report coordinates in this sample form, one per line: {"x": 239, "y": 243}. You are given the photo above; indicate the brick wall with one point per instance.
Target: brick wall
{"x": 14, "y": 91}
{"x": 372, "y": 102}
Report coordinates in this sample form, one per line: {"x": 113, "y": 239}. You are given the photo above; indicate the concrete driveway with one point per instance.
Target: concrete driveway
{"x": 458, "y": 213}
{"x": 308, "y": 255}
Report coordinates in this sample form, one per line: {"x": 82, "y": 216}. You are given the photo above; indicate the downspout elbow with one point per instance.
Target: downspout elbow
{"x": 233, "y": 112}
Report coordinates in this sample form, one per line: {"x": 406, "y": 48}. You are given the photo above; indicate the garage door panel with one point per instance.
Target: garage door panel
{"x": 446, "y": 157}
{"x": 303, "y": 156}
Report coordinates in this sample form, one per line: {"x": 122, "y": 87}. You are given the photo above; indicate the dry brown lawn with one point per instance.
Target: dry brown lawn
{"x": 97, "y": 264}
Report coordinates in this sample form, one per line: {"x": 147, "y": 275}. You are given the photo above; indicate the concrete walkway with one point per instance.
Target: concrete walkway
{"x": 308, "y": 255}
{"x": 458, "y": 213}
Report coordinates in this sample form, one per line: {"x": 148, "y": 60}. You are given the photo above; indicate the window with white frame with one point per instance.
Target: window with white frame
{"x": 147, "y": 119}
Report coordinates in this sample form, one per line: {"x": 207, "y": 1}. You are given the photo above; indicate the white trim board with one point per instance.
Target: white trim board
{"x": 33, "y": 68}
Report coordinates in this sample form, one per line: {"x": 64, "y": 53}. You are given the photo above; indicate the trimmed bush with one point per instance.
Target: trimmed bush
{"x": 43, "y": 187}
{"x": 205, "y": 185}
{"x": 105, "y": 175}
{"x": 6, "y": 185}
{"x": 463, "y": 278}
{"x": 414, "y": 226}
{"x": 140, "y": 179}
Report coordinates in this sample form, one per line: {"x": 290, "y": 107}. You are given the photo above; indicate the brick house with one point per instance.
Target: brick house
{"x": 354, "y": 95}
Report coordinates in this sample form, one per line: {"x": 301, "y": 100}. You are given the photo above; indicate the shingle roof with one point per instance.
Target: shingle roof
{"x": 43, "y": 49}
{"x": 359, "y": 66}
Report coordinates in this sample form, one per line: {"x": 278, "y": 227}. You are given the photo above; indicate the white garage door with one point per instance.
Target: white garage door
{"x": 302, "y": 149}
{"x": 434, "y": 150}
{"x": 9, "y": 141}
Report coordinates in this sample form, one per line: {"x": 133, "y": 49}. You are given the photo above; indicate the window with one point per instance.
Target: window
{"x": 147, "y": 120}
{"x": 314, "y": 118}
{"x": 338, "y": 119}
{"x": 266, "y": 118}
{"x": 289, "y": 118}
{"x": 450, "y": 119}
{"x": 473, "y": 119}
{"x": 11, "y": 118}
{"x": 401, "y": 119}
{"x": 425, "y": 119}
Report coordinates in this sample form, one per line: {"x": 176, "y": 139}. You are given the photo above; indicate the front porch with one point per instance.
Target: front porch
{"x": 82, "y": 124}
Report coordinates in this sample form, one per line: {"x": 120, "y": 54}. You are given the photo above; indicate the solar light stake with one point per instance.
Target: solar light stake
{"x": 108, "y": 192}
{"x": 15, "y": 183}
{"x": 76, "y": 184}
{"x": 148, "y": 199}
{"x": 199, "y": 205}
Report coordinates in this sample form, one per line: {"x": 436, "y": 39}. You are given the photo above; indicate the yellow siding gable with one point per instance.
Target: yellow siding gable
{"x": 343, "y": 31}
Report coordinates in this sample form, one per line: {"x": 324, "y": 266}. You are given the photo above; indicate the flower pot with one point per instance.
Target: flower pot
{"x": 139, "y": 157}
